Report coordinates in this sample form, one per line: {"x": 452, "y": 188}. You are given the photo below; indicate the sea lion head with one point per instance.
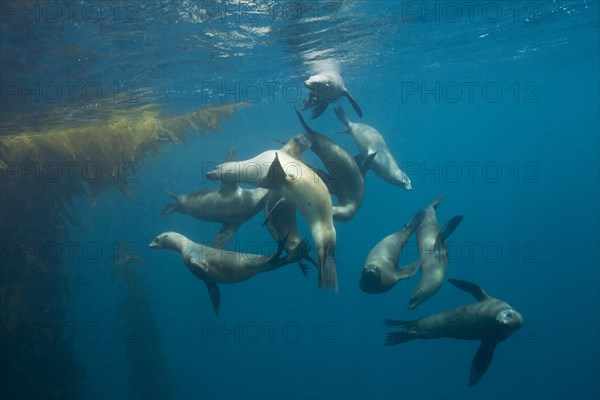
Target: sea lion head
{"x": 510, "y": 319}
{"x": 416, "y": 298}
{"x": 303, "y": 141}
{"x": 370, "y": 280}
{"x": 164, "y": 240}
{"x": 325, "y": 86}
{"x": 404, "y": 182}
{"x": 296, "y": 146}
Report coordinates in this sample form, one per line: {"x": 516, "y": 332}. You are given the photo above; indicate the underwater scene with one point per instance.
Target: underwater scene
{"x": 270, "y": 199}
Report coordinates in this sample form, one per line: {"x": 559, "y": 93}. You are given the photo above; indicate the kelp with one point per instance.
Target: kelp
{"x": 41, "y": 172}
{"x": 149, "y": 375}
{"x": 101, "y": 154}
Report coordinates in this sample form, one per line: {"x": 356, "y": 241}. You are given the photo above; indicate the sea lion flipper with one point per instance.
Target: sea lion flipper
{"x": 339, "y": 111}
{"x": 408, "y": 334}
{"x": 449, "y": 228}
{"x": 276, "y": 172}
{"x": 364, "y": 162}
{"x": 215, "y": 296}
{"x": 228, "y": 229}
{"x": 307, "y": 128}
{"x": 328, "y": 274}
{"x": 168, "y": 209}
{"x": 471, "y": 288}
{"x": 415, "y": 221}
{"x": 481, "y": 361}
{"x": 303, "y": 269}
{"x": 302, "y": 252}
{"x": 199, "y": 263}
{"x": 438, "y": 200}
{"x": 269, "y": 213}
{"x": 231, "y": 155}
{"x": 319, "y": 109}
{"x": 354, "y": 103}
{"x": 331, "y": 183}
{"x": 408, "y": 270}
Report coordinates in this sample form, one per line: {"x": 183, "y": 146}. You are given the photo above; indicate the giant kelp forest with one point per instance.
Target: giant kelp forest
{"x": 41, "y": 172}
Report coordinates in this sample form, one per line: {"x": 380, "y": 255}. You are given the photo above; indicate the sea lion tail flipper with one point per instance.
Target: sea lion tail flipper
{"x": 173, "y": 195}
{"x": 168, "y": 209}
{"x": 339, "y": 111}
{"x": 403, "y": 336}
{"x": 215, "y": 296}
{"x": 319, "y": 109}
{"x": 481, "y": 361}
{"x": 303, "y": 269}
{"x": 471, "y": 288}
{"x": 307, "y": 128}
{"x": 225, "y": 234}
{"x": 328, "y": 274}
{"x": 302, "y": 252}
{"x": 354, "y": 103}
{"x": 408, "y": 270}
{"x": 449, "y": 228}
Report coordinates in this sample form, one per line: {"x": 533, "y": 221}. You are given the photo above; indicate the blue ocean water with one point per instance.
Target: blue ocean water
{"x": 493, "y": 104}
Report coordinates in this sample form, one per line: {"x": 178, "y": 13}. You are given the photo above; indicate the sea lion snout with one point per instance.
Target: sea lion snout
{"x": 415, "y": 299}
{"x": 371, "y": 270}
{"x": 155, "y": 244}
{"x": 510, "y": 318}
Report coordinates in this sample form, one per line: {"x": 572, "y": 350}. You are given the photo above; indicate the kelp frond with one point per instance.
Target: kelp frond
{"x": 98, "y": 154}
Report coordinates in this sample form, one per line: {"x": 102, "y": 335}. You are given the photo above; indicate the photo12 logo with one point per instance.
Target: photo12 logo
{"x": 68, "y": 92}
{"x": 470, "y": 92}
{"x": 471, "y": 172}
{"x": 67, "y": 332}
{"x": 55, "y": 12}
{"x": 269, "y": 332}
{"x": 454, "y": 12}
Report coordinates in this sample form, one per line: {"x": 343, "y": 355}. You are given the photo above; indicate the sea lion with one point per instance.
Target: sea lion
{"x": 379, "y": 273}
{"x": 324, "y": 88}
{"x": 282, "y": 225}
{"x": 293, "y": 180}
{"x": 489, "y": 320}
{"x": 433, "y": 251}
{"x": 215, "y": 266}
{"x": 230, "y": 205}
{"x": 370, "y": 141}
{"x": 345, "y": 178}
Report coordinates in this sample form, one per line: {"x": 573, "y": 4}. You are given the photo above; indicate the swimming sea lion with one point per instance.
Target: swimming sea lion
{"x": 324, "y": 88}
{"x": 229, "y": 205}
{"x": 345, "y": 178}
{"x": 369, "y": 141}
{"x": 282, "y": 225}
{"x": 296, "y": 182}
{"x": 379, "y": 272}
{"x": 214, "y": 266}
{"x": 489, "y": 320}
{"x": 433, "y": 251}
